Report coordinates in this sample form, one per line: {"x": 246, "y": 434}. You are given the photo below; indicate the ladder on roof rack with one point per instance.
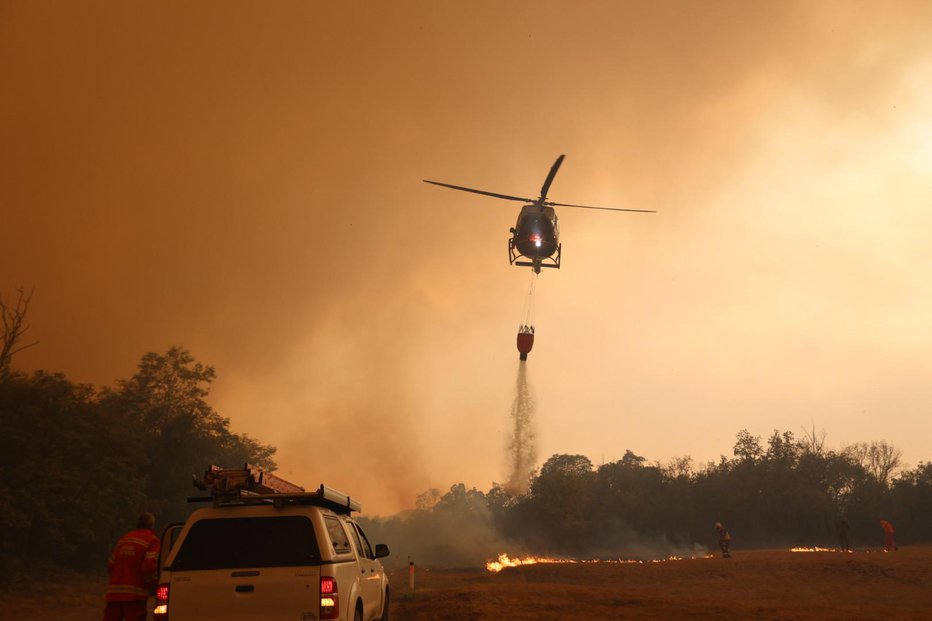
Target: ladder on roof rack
{"x": 249, "y": 478}
{"x": 251, "y": 485}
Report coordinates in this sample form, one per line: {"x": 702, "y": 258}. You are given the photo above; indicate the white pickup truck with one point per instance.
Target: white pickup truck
{"x": 292, "y": 555}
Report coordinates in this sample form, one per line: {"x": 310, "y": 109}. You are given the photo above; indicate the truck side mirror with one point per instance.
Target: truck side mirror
{"x": 381, "y": 550}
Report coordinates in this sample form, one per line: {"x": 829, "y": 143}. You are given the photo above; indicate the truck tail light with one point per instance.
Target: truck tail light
{"x": 160, "y": 612}
{"x": 329, "y": 599}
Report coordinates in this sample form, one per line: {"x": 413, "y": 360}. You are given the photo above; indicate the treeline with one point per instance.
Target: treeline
{"x": 782, "y": 492}
{"x": 79, "y": 463}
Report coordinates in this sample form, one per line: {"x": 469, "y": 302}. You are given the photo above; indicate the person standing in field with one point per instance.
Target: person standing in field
{"x": 133, "y": 569}
{"x": 841, "y": 528}
{"x": 724, "y": 539}
{"x": 888, "y": 542}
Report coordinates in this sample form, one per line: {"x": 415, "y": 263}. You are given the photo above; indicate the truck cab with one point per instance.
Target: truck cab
{"x": 271, "y": 552}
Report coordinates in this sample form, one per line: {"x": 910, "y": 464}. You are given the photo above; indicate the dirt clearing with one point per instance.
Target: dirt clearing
{"x": 771, "y": 585}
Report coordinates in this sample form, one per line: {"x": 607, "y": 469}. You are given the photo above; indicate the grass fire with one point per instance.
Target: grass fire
{"x": 504, "y": 561}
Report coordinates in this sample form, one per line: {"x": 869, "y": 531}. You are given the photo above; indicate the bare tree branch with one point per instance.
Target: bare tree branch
{"x": 14, "y": 327}
{"x": 813, "y": 442}
{"x": 879, "y": 459}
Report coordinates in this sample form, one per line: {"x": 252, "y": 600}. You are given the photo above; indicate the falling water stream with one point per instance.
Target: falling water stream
{"x": 522, "y": 454}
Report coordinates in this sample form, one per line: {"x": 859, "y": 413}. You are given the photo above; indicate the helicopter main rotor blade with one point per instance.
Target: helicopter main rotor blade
{"x": 551, "y": 203}
{"x": 459, "y": 187}
{"x": 553, "y": 173}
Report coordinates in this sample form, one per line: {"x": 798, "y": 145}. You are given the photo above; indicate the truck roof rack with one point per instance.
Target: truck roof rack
{"x": 251, "y": 485}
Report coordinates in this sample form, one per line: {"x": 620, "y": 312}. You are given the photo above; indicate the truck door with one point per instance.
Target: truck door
{"x": 370, "y": 579}
{"x": 169, "y": 536}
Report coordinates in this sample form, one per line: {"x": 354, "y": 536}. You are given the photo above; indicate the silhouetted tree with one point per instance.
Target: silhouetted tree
{"x": 180, "y": 432}
{"x": 77, "y": 465}
{"x": 879, "y": 459}
{"x": 68, "y": 471}
{"x": 747, "y": 447}
{"x": 13, "y": 329}
{"x": 559, "y": 498}
{"x": 781, "y": 492}
{"x": 813, "y": 441}
{"x": 912, "y": 504}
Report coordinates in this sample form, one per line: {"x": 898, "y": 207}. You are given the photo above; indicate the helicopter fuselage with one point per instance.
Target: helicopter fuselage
{"x": 535, "y": 237}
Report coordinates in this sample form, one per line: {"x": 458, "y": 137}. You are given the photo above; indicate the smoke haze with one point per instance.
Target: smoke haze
{"x": 245, "y": 181}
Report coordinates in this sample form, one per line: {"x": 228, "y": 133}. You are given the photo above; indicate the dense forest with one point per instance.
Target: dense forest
{"x": 78, "y": 463}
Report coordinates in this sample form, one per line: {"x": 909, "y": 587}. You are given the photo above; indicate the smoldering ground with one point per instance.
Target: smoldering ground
{"x": 458, "y": 531}
{"x": 467, "y": 529}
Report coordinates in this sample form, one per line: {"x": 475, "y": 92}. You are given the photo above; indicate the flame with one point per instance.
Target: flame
{"x": 818, "y": 549}
{"x": 506, "y": 561}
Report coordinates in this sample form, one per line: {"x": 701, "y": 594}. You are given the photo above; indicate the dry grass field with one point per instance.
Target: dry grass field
{"x": 757, "y": 585}
{"x": 771, "y": 585}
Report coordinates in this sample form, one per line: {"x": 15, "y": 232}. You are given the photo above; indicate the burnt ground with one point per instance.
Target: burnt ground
{"x": 757, "y": 585}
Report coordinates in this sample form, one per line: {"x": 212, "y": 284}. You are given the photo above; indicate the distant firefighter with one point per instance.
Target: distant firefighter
{"x": 724, "y": 539}
{"x": 841, "y": 529}
{"x": 888, "y": 542}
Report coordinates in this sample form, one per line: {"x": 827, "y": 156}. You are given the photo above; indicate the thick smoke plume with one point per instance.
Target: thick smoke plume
{"x": 522, "y": 454}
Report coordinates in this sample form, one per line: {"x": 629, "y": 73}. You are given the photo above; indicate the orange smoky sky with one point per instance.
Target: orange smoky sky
{"x": 244, "y": 180}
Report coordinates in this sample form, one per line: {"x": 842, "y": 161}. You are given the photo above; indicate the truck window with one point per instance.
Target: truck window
{"x": 337, "y": 535}
{"x": 366, "y": 549}
{"x": 227, "y": 543}
{"x": 355, "y": 535}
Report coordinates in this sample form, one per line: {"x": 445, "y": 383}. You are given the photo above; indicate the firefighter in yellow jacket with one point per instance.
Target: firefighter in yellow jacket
{"x": 133, "y": 569}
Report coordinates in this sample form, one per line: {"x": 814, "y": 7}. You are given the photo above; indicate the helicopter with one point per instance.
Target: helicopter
{"x": 535, "y": 238}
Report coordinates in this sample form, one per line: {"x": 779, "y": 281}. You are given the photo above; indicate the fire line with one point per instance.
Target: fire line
{"x": 506, "y": 561}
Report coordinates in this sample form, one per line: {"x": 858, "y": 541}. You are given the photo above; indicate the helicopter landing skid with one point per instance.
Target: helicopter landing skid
{"x": 552, "y": 261}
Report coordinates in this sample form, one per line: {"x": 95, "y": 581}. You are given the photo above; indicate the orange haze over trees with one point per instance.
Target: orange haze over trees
{"x": 78, "y": 463}
{"x": 81, "y": 461}
{"x": 783, "y": 492}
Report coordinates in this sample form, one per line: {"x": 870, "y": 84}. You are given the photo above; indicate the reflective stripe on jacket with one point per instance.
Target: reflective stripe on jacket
{"x": 133, "y": 566}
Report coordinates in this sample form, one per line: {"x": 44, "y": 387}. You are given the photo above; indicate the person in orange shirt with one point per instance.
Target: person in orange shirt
{"x": 888, "y": 541}
{"x": 133, "y": 569}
